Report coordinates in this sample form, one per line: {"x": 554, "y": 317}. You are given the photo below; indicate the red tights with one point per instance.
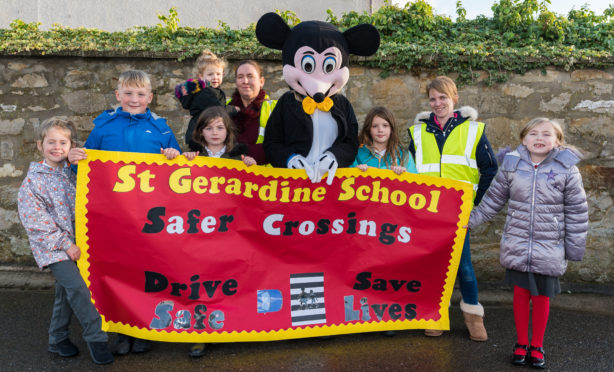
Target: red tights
{"x": 541, "y": 309}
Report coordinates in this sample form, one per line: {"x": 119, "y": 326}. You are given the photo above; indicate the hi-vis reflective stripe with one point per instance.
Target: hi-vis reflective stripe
{"x": 418, "y": 143}
{"x": 426, "y": 168}
{"x": 475, "y": 187}
{"x": 465, "y": 159}
{"x": 472, "y": 136}
{"x": 420, "y": 166}
{"x": 261, "y": 131}
{"x": 460, "y": 160}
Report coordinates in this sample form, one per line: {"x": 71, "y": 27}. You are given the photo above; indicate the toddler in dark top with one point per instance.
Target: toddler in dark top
{"x": 203, "y": 92}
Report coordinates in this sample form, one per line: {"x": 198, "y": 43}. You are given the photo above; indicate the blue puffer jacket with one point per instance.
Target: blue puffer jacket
{"x": 118, "y": 130}
{"x": 547, "y": 216}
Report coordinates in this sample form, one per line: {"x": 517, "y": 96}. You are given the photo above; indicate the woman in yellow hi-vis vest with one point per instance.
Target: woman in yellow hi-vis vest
{"x": 451, "y": 144}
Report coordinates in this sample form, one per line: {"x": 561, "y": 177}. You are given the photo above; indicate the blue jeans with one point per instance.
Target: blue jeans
{"x": 466, "y": 275}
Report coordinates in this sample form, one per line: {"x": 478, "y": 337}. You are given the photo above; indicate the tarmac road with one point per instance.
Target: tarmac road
{"x": 575, "y": 341}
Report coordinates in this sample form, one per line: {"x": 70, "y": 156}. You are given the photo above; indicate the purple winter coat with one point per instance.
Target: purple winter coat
{"x": 46, "y": 203}
{"x": 547, "y": 216}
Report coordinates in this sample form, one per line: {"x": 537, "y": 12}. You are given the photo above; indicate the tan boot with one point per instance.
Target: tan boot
{"x": 474, "y": 319}
{"x": 433, "y": 332}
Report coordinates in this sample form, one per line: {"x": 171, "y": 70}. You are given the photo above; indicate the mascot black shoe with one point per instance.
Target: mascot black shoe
{"x": 313, "y": 126}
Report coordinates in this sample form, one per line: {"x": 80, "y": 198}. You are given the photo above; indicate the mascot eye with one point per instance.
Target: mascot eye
{"x": 329, "y": 64}
{"x": 308, "y": 63}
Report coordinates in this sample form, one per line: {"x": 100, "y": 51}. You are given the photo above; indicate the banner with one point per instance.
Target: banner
{"x": 214, "y": 251}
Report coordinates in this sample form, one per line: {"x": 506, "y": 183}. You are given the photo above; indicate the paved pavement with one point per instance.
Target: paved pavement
{"x": 580, "y": 337}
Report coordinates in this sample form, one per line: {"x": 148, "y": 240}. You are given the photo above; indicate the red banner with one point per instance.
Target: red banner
{"x": 213, "y": 251}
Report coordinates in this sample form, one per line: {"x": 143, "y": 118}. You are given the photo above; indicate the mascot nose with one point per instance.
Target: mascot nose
{"x": 318, "y": 97}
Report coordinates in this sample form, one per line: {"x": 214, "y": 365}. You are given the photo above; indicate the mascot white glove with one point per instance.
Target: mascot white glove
{"x": 328, "y": 163}
{"x": 299, "y": 162}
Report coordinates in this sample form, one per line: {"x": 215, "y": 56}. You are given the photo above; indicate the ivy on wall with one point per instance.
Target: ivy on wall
{"x": 521, "y": 35}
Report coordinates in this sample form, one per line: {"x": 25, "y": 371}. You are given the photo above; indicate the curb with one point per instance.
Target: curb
{"x": 25, "y": 277}
{"x": 591, "y": 298}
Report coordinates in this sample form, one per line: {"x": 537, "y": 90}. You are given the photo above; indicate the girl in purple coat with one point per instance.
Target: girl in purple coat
{"x": 546, "y": 225}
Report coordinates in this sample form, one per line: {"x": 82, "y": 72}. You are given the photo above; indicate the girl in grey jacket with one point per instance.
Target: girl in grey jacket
{"x": 46, "y": 203}
{"x": 546, "y": 225}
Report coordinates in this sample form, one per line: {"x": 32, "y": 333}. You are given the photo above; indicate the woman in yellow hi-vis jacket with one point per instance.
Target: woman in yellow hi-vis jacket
{"x": 452, "y": 144}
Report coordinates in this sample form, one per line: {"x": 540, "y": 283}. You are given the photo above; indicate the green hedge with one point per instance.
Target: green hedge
{"x": 521, "y": 35}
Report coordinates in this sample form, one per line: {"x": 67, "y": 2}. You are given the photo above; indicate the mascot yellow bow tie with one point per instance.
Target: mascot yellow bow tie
{"x": 309, "y": 105}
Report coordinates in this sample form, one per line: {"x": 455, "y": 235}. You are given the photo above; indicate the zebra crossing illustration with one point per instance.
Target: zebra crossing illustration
{"x": 307, "y": 299}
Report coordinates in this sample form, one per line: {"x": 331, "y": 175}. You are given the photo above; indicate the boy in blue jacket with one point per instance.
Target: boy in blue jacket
{"x": 131, "y": 127}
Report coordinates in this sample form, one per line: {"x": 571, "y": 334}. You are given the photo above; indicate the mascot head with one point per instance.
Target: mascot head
{"x": 315, "y": 54}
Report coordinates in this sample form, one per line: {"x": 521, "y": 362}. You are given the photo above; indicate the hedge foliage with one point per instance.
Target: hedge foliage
{"x": 521, "y": 35}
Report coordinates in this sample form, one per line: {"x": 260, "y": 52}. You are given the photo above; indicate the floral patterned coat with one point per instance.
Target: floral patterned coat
{"x": 46, "y": 203}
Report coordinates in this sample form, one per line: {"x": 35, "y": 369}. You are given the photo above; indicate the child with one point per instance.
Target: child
{"x": 198, "y": 94}
{"x": 46, "y": 203}
{"x": 452, "y": 144}
{"x": 380, "y": 146}
{"x": 215, "y": 133}
{"x": 546, "y": 224}
{"x": 131, "y": 127}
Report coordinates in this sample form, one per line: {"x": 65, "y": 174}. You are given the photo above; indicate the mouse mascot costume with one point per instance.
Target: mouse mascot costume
{"x": 313, "y": 126}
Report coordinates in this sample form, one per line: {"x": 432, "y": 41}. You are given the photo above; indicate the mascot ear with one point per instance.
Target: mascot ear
{"x": 363, "y": 40}
{"x": 272, "y": 31}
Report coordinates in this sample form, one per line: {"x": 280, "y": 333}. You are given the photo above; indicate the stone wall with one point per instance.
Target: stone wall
{"x": 35, "y": 88}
